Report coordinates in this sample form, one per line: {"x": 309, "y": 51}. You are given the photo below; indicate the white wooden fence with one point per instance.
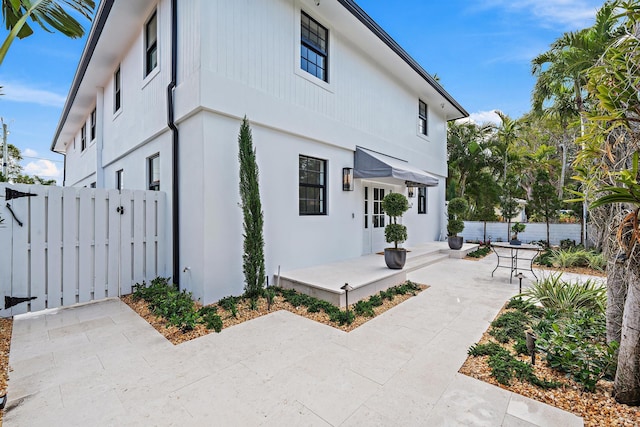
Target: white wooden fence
{"x": 534, "y": 231}
{"x": 76, "y": 244}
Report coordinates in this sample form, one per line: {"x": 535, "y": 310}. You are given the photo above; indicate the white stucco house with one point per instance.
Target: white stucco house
{"x": 340, "y": 114}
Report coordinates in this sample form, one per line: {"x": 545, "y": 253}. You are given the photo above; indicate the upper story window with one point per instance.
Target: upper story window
{"x": 423, "y": 118}
{"x": 83, "y": 137}
{"x": 314, "y": 47}
{"x": 93, "y": 124}
{"x": 117, "y": 95}
{"x": 153, "y": 170}
{"x": 422, "y": 200}
{"x": 120, "y": 179}
{"x": 312, "y": 190}
{"x": 151, "y": 44}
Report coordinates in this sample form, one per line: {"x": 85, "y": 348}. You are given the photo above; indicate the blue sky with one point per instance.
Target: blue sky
{"x": 480, "y": 49}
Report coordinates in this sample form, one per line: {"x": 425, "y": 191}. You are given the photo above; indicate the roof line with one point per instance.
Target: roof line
{"x": 96, "y": 30}
{"x": 362, "y": 16}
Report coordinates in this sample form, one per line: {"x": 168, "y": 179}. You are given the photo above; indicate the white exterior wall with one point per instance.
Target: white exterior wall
{"x": 242, "y": 57}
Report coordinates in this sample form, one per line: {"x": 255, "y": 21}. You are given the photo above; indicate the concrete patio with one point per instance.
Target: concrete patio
{"x": 102, "y": 365}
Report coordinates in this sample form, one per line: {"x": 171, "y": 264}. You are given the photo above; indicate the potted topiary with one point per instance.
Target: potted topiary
{"x": 395, "y": 204}
{"x": 456, "y": 208}
{"x": 517, "y": 228}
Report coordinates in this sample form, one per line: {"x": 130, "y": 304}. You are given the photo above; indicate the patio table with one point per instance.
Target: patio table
{"x": 515, "y": 257}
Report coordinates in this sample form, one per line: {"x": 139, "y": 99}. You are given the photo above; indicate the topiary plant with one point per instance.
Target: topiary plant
{"x": 395, "y": 204}
{"x": 456, "y": 208}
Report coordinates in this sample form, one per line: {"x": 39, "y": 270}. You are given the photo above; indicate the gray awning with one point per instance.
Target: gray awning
{"x": 369, "y": 164}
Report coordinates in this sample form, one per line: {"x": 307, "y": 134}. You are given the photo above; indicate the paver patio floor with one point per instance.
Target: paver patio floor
{"x": 102, "y": 365}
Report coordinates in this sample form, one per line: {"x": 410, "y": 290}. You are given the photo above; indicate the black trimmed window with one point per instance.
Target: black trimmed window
{"x": 83, "y": 137}
{"x": 151, "y": 44}
{"x": 314, "y": 47}
{"x": 117, "y": 94}
{"x": 153, "y": 171}
{"x": 312, "y": 186}
{"x": 423, "y": 118}
{"x": 93, "y": 124}
{"x": 120, "y": 179}
{"x": 422, "y": 200}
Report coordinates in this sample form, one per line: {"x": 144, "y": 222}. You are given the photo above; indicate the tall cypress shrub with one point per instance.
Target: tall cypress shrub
{"x": 253, "y": 221}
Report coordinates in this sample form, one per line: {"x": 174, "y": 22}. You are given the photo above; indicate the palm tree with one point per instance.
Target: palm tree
{"x": 51, "y": 15}
{"x": 508, "y": 133}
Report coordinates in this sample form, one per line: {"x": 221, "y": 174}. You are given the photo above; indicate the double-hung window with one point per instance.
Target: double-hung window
{"x": 83, "y": 137}
{"x": 93, "y": 124}
{"x": 314, "y": 47}
{"x": 422, "y": 200}
{"x": 153, "y": 171}
{"x": 151, "y": 44}
{"x": 117, "y": 94}
{"x": 423, "y": 118}
{"x": 312, "y": 190}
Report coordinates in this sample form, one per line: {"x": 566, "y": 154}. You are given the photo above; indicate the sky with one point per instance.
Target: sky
{"x": 480, "y": 49}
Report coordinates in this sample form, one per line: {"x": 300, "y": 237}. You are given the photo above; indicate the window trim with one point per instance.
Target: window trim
{"x": 423, "y": 208}
{"x": 153, "y": 185}
{"x": 423, "y": 120}
{"x": 323, "y": 187}
{"x": 150, "y": 49}
{"x": 117, "y": 90}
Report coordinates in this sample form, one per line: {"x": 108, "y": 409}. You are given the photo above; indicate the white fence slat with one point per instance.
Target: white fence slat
{"x": 100, "y": 247}
{"x": 138, "y": 236}
{"x": 38, "y": 248}
{"x": 20, "y": 266}
{"x": 163, "y": 247}
{"x": 6, "y": 254}
{"x": 126, "y": 235}
{"x": 113, "y": 250}
{"x": 85, "y": 245}
{"x": 54, "y": 247}
{"x": 150, "y": 263}
{"x": 69, "y": 248}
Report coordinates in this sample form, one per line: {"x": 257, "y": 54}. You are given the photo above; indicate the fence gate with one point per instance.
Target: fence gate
{"x": 62, "y": 246}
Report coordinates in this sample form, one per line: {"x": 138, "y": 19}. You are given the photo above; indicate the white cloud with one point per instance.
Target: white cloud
{"x": 28, "y": 152}
{"x": 43, "y": 168}
{"x": 19, "y": 92}
{"x": 572, "y": 14}
{"x": 482, "y": 117}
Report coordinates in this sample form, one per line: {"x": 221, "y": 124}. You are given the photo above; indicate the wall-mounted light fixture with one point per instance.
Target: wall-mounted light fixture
{"x": 347, "y": 179}
{"x": 411, "y": 191}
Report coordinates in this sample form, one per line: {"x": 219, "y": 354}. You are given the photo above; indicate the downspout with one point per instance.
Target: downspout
{"x": 175, "y": 140}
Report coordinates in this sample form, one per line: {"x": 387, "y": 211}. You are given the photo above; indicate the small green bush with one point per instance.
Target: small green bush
{"x": 375, "y": 300}
{"x": 210, "y": 318}
{"x": 364, "y": 308}
{"x": 480, "y": 252}
{"x": 166, "y": 300}
{"x": 342, "y": 317}
{"x": 555, "y": 294}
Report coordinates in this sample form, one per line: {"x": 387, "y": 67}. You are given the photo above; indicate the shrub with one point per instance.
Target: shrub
{"x": 567, "y": 297}
{"x": 375, "y": 300}
{"x": 456, "y": 208}
{"x": 167, "y": 301}
{"x": 480, "y": 252}
{"x": 364, "y": 308}
{"x": 342, "y": 317}
{"x": 210, "y": 318}
{"x": 577, "y": 345}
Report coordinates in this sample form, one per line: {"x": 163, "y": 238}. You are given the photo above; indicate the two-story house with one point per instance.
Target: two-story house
{"x": 341, "y": 115}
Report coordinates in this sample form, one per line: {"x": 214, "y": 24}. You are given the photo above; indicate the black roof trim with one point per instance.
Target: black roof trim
{"x": 96, "y": 30}
{"x": 362, "y": 16}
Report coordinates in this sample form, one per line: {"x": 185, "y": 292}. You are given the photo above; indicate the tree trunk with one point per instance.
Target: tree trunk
{"x": 627, "y": 381}
{"x": 616, "y": 294}
{"x": 484, "y": 238}
{"x": 548, "y": 234}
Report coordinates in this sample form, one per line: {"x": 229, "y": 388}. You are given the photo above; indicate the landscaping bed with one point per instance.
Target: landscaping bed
{"x": 235, "y": 310}
{"x": 574, "y": 365}
{"x": 6, "y": 326}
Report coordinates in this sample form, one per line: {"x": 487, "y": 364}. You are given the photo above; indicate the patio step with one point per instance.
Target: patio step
{"x": 367, "y": 275}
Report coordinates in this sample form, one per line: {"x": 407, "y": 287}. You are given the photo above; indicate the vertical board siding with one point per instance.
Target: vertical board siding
{"x": 74, "y": 246}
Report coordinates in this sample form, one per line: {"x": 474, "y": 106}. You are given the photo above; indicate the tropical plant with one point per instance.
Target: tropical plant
{"x": 51, "y": 15}
{"x": 456, "y": 208}
{"x": 544, "y": 200}
{"x": 562, "y": 296}
{"x": 253, "y": 256}
{"x": 395, "y": 204}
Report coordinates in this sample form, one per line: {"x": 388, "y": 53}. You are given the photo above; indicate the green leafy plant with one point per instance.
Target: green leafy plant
{"x": 517, "y": 227}
{"x": 210, "y": 318}
{"x": 567, "y": 297}
{"x": 480, "y": 252}
{"x": 364, "y": 308}
{"x": 456, "y": 208}
{"x": 342, "y": 317}
{"x": 164, "y": 299}
{"x": 395, "y": 204}
{"x": 230, "y": 303}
